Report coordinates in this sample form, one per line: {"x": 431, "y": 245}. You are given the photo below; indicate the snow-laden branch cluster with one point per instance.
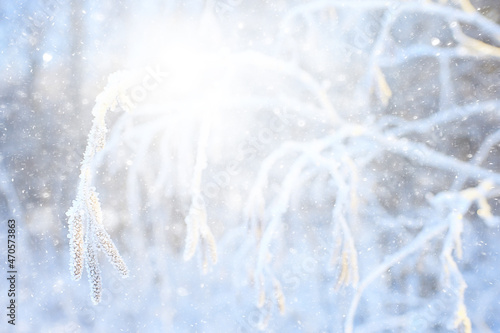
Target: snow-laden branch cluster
{"x": 451, "y": 206}
{"x": 282, "y": 170}
{"x": 362, "y": 145}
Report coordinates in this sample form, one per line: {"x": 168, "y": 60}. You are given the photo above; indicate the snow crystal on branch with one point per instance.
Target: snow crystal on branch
{"x": 75, "y": 242}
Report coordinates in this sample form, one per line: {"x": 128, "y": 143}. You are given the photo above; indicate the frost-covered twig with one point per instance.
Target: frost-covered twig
{"x": 472, "y": 45}
{"x": 479, "y": 157}
{"x": 423, "y": 155}
{"x": 86, "y": 232}
{"x": 458, "y": 203}
{"x": 345, "y": 255}
{"x": 417, "y": 243}
{"x": 446, "y": 116}
{"x": 301, "y": 75}
{"x": 196, "y": 220}
{"x": 455, "y": 205}
{"x": 275, "y": 215}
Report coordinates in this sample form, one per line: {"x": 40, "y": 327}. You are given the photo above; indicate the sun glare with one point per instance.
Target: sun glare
{"x": 193, "y": 63}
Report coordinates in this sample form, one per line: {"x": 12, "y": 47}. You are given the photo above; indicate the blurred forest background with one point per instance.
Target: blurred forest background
{"x": 353, "y": 163}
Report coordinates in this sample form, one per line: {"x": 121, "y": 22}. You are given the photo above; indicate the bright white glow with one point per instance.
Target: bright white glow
{"x": 195, "y": 65}
{"x": 47, "y": 57}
